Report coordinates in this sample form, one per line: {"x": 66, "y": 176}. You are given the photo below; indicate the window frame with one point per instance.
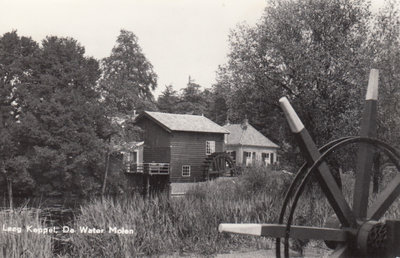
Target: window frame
{"x": 210, "y": 147}
{"x": 186, "y": 173}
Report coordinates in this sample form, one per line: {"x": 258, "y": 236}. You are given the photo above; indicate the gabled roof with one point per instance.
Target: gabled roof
{"x": 247, "y": 135}
{"x": 179, "y": 122}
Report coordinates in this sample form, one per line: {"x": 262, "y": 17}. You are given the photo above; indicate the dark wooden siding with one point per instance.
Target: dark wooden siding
{"x": 156, "y": 142}
{"x": 189, "y": 148}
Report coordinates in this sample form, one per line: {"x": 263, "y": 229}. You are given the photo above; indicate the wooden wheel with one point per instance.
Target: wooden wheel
{"x": 359, "y": 230}
{"x": 365, "y": 234}
{"x": 219, "y": 164}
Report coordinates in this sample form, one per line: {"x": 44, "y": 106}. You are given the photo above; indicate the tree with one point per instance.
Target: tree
{"x": 383, "y": 45}
{"x": 311, "y": 51}
{"x": 168, "y": 100}
{"x": 128, "y": 77}
{"x": 218, "y": 109}
{"x": 193, "y": 100}
{"x": 17, "y": 60}
{"x": 59, "y": 125}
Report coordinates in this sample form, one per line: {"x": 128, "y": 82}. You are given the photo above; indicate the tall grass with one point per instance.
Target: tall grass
{"x": 189, "y": 225}
{"x": 162, "y": 225}
{"x": 182, "y": 225}
{"x": 23, "y": 244}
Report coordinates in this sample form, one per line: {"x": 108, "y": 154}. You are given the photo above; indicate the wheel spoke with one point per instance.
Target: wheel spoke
{"x": 279, "y": 230}
{"x": 385, "y": 199}
{"x": 325, "y": 177}
{"x": 365, "y": 152}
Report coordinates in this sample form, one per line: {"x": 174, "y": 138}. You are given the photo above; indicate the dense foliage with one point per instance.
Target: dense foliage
{"x": 318, "y": 54}
{"x": 54, "y": 123}
{"x": 58, "y": 107}
{"x": 128, "y": 77}
{"x": 191, "y": 100}
{"x": 58, "y": 110}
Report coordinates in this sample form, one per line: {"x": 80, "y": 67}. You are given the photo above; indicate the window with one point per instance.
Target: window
{"x": 265, "y": 159}
{"x": 247, "y": 158}
{"x": 210, "y": 147}
{"x": 186, "y": 170}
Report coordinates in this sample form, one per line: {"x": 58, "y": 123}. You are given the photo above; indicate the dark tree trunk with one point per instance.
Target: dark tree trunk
{"x": 103, "y": 190}
{"x": 10, "y": 194}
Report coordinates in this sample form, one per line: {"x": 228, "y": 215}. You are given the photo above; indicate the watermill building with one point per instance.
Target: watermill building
{"x": 179, "y": 144}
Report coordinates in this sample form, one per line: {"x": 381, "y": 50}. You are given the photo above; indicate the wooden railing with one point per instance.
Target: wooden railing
{"x": 148, "y": 168}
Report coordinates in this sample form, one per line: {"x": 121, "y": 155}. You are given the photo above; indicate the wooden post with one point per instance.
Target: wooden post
{"x": 10, "y": 194}
{"x": 148, "y": 185}
{"x": 103, "y": 190}
{"x": 365, "y": 152}
{"x": 325, "y": 178}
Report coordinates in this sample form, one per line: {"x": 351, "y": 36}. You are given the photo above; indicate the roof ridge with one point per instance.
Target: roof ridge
{"x": 184, "y": 122}
{"x": 175, "y": 114}
{"x": 250, "y": 136}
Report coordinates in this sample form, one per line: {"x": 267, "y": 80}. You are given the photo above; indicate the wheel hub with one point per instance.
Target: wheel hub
{"x": 371, "y": 238}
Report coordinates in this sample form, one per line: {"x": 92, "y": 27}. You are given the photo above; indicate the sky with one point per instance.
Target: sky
{"x": 180, "y": 38}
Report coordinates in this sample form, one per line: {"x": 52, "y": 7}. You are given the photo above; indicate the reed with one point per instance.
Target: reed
{"x": 189, "y": 225}
{"x": 23, "y": 243}
{"x": 164, "y": 225}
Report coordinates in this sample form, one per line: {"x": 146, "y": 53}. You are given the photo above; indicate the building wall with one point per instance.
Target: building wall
{"x": 140, "y": 152}
{"x": 178, "y": 149}
{"x": 189, "y": 148}
{"x": 157, "y": 146}
{"x": 256, "y": 155}
{"x": 134, "y": 155}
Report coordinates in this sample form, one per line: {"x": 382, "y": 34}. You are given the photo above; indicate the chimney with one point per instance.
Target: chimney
{"x": 227, "y": 122}
{"x": 245, "y": 123}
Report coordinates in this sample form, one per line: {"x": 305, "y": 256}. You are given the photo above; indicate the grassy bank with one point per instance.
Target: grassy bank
{"x": 189, "y": 224}
{"x": 19, "y": 242}
{"x": 184, "y": 225}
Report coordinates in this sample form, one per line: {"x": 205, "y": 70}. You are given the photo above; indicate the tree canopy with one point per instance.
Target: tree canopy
{"x": 128, "y": 77}
{"x": 56, "y": 125}
{"x": 191, "y": 100}
{"x": 57, "y": 105}
{"x": 318, "y": 54}
{"x": 310, "y": 51}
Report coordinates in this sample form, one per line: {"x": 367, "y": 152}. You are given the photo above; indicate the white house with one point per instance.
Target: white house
{"x": 248, "y": 146}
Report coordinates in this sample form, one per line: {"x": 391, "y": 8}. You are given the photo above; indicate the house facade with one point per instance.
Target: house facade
{"x": 249, "y": 147}
{"x": 181, "y": 142}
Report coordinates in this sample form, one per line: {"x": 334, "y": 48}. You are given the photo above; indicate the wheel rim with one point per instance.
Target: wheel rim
{"x": 376, "y": 212}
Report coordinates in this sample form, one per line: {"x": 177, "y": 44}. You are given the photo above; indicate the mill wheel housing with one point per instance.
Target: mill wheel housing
{"x": 219, "y": 164}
